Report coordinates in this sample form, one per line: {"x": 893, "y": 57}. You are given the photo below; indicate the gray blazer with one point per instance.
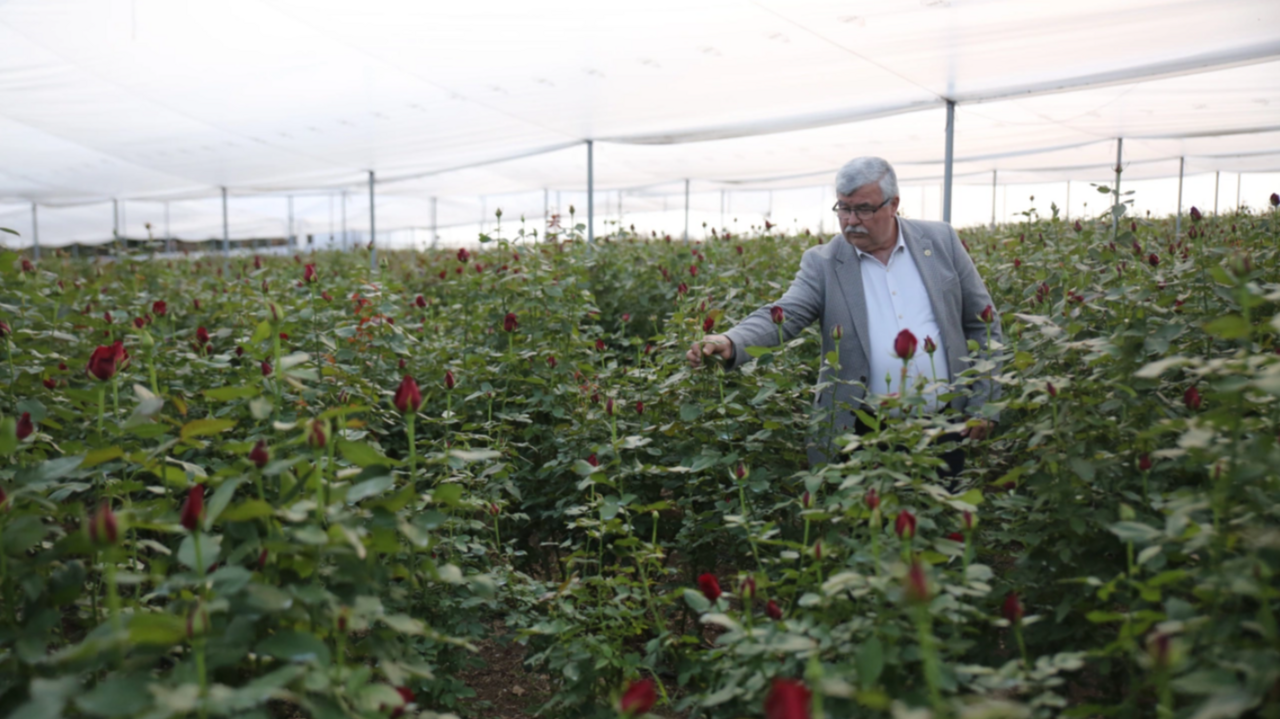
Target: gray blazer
{"x": 828, "y": 288}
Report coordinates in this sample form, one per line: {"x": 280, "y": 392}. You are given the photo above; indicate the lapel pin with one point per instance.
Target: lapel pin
{"x": 928, "y": 253}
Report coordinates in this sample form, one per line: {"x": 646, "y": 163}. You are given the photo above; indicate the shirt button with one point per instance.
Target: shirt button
{"x": 899, "y": 316}
{"x": 895, "y": 293}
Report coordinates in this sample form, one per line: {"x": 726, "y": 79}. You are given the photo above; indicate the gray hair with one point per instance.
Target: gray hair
{"x": 862, "y": 171}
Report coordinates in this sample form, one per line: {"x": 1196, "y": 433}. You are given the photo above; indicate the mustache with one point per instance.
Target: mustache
{"x": 856, "y": 230}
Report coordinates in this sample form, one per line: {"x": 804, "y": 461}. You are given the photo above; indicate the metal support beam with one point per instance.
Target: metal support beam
{"x": 35, "y": 233}
{"x": 1177, "y": 223}
{"x": 686, "y": 211}
{"x": 1215, "y": 191}
{"x": 993, "y": 198}
{"x": 168, "y": 236}
{"x": 1115, "y": 218}
{"x": 115, "y": 220}
{"x": 373, "y": 227}
{"x": 950, "y": 157}
{"x": 591, "y": 191}
{"x": 1068, "y": 213}
{"x": 226, "y": 235}
{"x": 435, "y": 224}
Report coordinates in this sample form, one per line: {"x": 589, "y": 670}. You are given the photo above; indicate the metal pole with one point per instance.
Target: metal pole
{"x": 373, "y": 229}
{"x": 344, "y": 220}
{"x": 686, "y": 210}
{"x": 35, "y": 233}
{"x": 1177, "y": 223}
{"x": 226, "y": 235}
{"x": 993, "y": 199}
{"x": 435, "y": 224}
{"x": 1068, "y": 218}
{"x": 1239, "y": 177}
{"x": 1215, "y": 191}
{"x": 950, "y": 156}
{"x": 1115, "y": 218}
{"x": 591, "y": 191}
{"x": 168, "y": 236}
{"x": 115, "y": 220}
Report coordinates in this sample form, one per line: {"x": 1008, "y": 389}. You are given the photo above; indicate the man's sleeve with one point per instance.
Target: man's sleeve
{"x": 975, "y": 298}
{"x": 800, "y": 307}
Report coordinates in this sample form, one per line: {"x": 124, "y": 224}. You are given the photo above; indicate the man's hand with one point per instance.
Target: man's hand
{"x": 980, "y": 431}
{"x": 710, "y": 345}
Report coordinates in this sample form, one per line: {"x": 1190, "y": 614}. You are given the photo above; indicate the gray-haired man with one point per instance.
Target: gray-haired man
{"x": 889, "y": 274}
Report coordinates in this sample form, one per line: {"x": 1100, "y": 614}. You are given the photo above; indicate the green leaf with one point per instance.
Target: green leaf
{"x": 1134, "y": 532}
{"x": 362, "y": 455}
{"x": 210, "y": 548}
{"x": 262, "y": 332}
{"x": 697, "y": 601}
{"x": 48, "y": 698}
{"x": 118, "y": 696}
{"x": 369, "y": 488}
{"x": 447, "y": 494}
{"x": 690, "y": 412}
{"x": 99, "y": 456}
{"x": 870, "y": 662}
{"x": 245, "y": 511}
{"x": 23, "y": 533}
{"x": 1083, "y": 468}
{"x": 1229, "y": 327}
{"x": 295, "y": 647}
{"x": 226, "y": 394}
{"x": 203, "y": 427}
{"x": 55, "y": 469}
{"x": 157, "y": 628}
{"x": 220, "y": 499}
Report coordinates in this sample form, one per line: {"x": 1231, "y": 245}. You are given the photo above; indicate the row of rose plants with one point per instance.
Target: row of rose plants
{"x": 238, "y": 485}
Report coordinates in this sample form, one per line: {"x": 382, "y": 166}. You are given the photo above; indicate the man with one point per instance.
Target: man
{"x": 884, "y": 274}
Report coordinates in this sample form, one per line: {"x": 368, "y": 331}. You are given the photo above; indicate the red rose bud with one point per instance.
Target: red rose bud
{"x": 917, "y": 585}
{"x": 107, "y": 360}
{"x": 403, "y": 363}
{"x": 773, "y": 610}
{"x": 1053, "y": 391}
{"x": 817, "y": 550}
{"x": 266, "y": 368}
{"x": 193, "y": 508}
{"x": 806, "y": 500}
{"x": 309, "y": 274}
{"x": 1017, "y": 263}
{"x": 197, "y": 622}
{"x": 103, "y": 528}
{"x": 448, "y": 379}
{"x": 593, "y": 461}
{"x": 509, "y": 323}
{"x": 195, "y": 303}
{"x": 988, "y": 315}
{"x": 1158, "y": 648}
{"x": 239, "y": 350}
{"x": 551, "y": 361}
{"x": 49, "y": 382}
{"x": 638, "y": 698}
{"x": 408, "y": 397}
{"x": 599, "y": 345}
{"x": 968, "y": 521}
{"x": 904, "y": 345}
{"x": 708, "y": 324}
{"x": 106, "y": 317}
{"x": 420, "y": 301}
{"x": 608, "y": 407}
{"x": 1191, "y": 398}
{"x": 777, "y": 314}
{"x": 710, "y": 587}
{"x": 787, "y": 699}
{"x": 318, "y": 435}
{"x": 202, "y": 336}
{"x": 1077, "y": 226}
{"x": 639, "y": 407}
{"x": 929, "y": 345}
{"x": 1195, "y": 214}
{"x": 683, "y": 288}
{"x": 648, "y": 347}
{"x": 4, "y": 500}
{"x": 25, "y": 426}
{"x": 5, "y": 329}
{"x": 493, "y": 509}
{"x": 905, "y": 525}
{"x": 139, "y": 323}
{"x": 693, "y": 270}
{"x": 1275, "y": 202}
{"x": 260, "y": 455}
{"x": 956, "y": 537}
{"x": 463, "y": 255}
{"x": 1144, "y": 463}
{"x": 738, "y": 249}
{"x": 326, "y": 296}
{"x": 748, "y": 588}
{"x": 872, "y": 498}
{"x": 741, "y": 471}
{"x": 27, "y": 266}
{"x": 837, "y": 333}
{"x": 1012, "y": 609}
{"x": 262, "y": 560}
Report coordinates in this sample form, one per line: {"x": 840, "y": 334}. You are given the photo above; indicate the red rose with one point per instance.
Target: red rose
{"x": 1191, "y": 398}
{"x": 608, "y": 407}
{"x": 551, "y": 361}
{"x": 904, "y": 345}
{"x": 25, "y": 426}
{"x": 917, "y": 588}
{"x": 266, "y": 368}
{"x": 420, "y": 301}
{"x": 260, "y": 455}
{"x": 202, "y": 336}
{"x": 448, "y": 379}
{"x": 638, "y": 698}
{"x": 593, "y": 461}
{"x": 1012, "y": 609}
{"x": 408, "y": 398}
{"x": 193, "y": 508}
{"x": 49, "y": 382}
{"x": 956, "y": 537}
{"x": 1144, "y": 463}
{"x": 710, "y": 586}
{"x": 103, "y": 528}
{"x": 309, "y": 274}
{"x": 683, "y": 288}
{"x": 708, "y": 324}
{"x": 318, "y": 435}
{"x": 787, "y": 699}
{"x": 929, "y": 345}
{"x": 510, "y": 323}
{"x": 777, "y": 315}
{"x": 107, "y": 360}
{"x": 905, "y": 524}
{"x": 599, "y": 345}
{"x": 872, "y": 499}
{"x": 988, "y": 315}
{"x": 639, "y": 407}
{"x": 693, "y": 270}
{"x": 772, "y": 609}
{"x": 5, "y": 329}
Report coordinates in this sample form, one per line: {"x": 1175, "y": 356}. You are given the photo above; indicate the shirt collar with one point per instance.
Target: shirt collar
{"x": 900, "y": 245}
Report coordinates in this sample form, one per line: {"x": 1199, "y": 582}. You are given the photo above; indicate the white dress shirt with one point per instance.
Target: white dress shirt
{"x": 897, "y": 300}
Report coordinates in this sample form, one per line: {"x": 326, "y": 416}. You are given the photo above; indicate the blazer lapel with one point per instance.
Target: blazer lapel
{"x": 849, "y": 276}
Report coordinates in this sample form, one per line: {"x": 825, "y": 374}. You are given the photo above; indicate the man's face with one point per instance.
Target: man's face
{"x": 878, "y": 231}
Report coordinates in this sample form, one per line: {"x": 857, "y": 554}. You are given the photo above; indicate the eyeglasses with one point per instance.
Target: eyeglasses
{"x": 864, "y": 212}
